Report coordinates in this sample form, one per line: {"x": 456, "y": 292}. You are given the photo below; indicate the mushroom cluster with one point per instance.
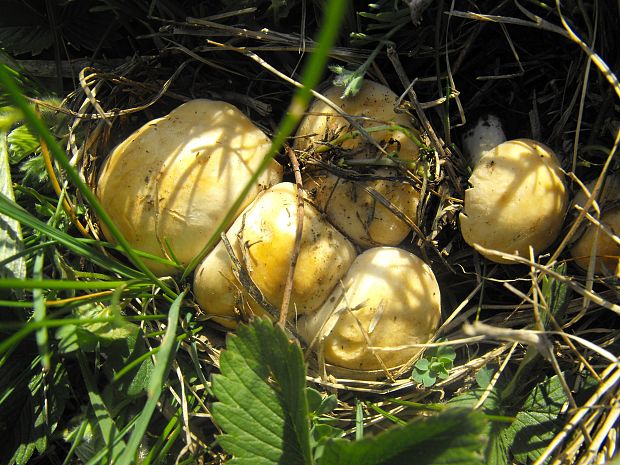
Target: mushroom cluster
{"x": 362, "y": 313}
{"x": 365, "y": 306}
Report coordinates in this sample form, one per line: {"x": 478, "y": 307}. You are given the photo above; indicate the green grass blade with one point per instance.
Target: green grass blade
{"x": 160, "y": 374}
{"x": 106, "y": 424}
{"x": 66, "y": 284}
{"x": 10, "y": 229}
{"x": 38, "y": 303}
{"x": 14, "y": 211}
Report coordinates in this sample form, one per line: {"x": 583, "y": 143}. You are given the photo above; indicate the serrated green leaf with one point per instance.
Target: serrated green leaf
{"x": 262, "y": 406}
{"x": 538, "y": 421}
{"x": 453, "y": 437}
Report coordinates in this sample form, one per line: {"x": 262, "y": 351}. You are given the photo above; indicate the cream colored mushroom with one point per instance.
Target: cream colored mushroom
{"x": 389, "y": 298}
{"x": 362, "y": 209}
{"x": 517, "y": 200}
{"x": 607, "y": 243}
{"x": 348, "y": 204}
{"x": 372, "y": 107}
{"x": 171, "y": 183}
{"x": 266, "y": 230}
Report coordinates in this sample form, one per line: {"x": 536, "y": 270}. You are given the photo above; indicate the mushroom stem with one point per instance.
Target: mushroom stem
{"x": 486, "y": 135}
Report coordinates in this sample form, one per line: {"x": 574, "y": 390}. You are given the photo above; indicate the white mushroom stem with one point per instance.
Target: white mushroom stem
{"x": 486, "y": 135}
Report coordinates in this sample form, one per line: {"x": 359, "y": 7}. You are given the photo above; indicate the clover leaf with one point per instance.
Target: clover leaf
{"x": 436, "y": 363}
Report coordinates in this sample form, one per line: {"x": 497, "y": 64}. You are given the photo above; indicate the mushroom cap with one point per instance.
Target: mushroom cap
{"x": 362, "y": 218}
{"x": 607, "y": 250}
{"x": 518, "y": 199}
{"x": 376, "y": 103}
{"x": 267, "y": 230}
{"x": 388, "y": 298}
{"x": 170, "y": 184}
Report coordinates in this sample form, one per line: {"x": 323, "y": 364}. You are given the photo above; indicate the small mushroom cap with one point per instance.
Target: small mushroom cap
{"x": 388, "y": 298}
{"x": 374, "y": 102}
{"x": 170, "y": 184}
{"x": 517, "y": 199}
{"x": 359, "y": 215}
{"x": 267, "y": 231}
{"x": 607, "y": 249}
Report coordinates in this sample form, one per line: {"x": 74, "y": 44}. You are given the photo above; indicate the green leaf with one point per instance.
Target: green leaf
{"x": 538, "y": 421}
{"x": 320, "y": 434}
{"x": 557, "y": 295}
{"x": 262, "y": 406}
{"x": 453, "y": 437}
{"x": 351, "y": 80}
{"x": 22, "y": 143}
{"x": 88, "y": 337}
{"x": 319, "y": 404}
{"x": 422, "y": 364}
{"x": 484, "y": 376}
{"x": 496, "y": 450}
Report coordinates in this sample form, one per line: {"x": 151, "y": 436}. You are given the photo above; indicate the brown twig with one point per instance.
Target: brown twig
{"x": 299, "y": 190}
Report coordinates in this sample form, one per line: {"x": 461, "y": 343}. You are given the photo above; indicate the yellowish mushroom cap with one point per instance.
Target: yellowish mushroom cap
{"x": 267, "y": 231}
{"x": 388, "y": 298}
{"x": 171, "y": 183}
{"x": 607, "y": 248}
{"x": 359, "y": 215}
{"x": 375, "y": 103}
{"x": 517, "y": 199}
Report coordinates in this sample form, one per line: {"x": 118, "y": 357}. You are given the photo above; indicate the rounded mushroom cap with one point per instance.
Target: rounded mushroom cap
{"x": 375, "y": 103}
{"x": 517, "y": 199}
{"x": 388, "y": 298}
{"x": 607, "y": 250}
{"x": 362, "y": 217}
{"x": 267, "y": 230}
{"x": 171, "y": 183}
